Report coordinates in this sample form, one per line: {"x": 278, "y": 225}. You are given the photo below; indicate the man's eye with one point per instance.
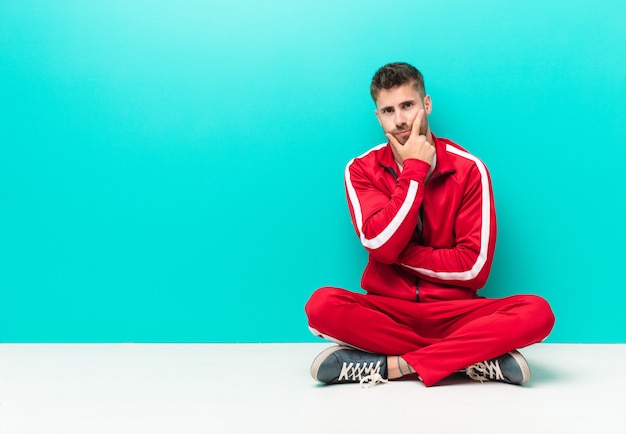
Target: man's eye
{"x": 387, "y": 111}
{"x": 408, "y": 105}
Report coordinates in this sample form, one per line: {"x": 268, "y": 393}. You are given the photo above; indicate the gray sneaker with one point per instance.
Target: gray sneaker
{"x": 339, "y": 364}
{"x": 509, "y": 368}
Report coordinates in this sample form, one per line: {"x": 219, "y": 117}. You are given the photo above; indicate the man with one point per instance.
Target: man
{"x": 423, "y": 208}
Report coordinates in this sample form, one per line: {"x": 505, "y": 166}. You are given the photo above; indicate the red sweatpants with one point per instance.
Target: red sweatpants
{"x": 435, "y": 338}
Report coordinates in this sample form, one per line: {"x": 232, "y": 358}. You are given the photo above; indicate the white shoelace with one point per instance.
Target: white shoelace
{"x": 485, "y": 371}
{"x": 372, "y": 380}
{"x": 367, "y": 374}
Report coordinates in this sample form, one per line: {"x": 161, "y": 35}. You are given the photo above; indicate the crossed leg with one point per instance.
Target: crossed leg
{"x": 435, "y": 339}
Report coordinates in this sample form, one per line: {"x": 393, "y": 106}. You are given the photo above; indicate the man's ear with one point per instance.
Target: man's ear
{"x": 428, "y": 105}
{"x": 378, "y": 117}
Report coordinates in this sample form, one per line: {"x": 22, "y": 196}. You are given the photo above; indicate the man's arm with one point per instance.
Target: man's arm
{"x": 385, "y": 224}
{"x": 468, "y": 263}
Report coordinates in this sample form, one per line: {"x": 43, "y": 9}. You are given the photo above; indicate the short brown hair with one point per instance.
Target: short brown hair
{"x": 396, "y": 74}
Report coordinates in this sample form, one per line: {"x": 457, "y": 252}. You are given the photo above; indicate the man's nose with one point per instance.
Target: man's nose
{"x": 400, "y": 119}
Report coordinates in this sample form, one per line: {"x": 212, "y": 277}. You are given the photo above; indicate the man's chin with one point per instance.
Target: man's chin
{"x": 402, "y": 140}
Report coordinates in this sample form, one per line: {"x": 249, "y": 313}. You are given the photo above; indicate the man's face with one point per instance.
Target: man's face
{"x": 396, "y": 108}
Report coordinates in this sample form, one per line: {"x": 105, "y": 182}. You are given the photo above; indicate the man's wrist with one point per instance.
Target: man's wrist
{"x": 415, "y": 168}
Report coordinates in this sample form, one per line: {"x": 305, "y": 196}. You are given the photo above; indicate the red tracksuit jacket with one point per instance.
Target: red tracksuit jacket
{"x": 429, "y": 236}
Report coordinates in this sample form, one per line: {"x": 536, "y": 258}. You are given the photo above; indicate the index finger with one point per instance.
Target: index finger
{"x": 393, "y": 141}
{"x": 417, "y": 122}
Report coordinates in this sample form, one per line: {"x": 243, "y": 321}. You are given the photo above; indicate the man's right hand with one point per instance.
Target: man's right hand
{"x": 416, "y": 146}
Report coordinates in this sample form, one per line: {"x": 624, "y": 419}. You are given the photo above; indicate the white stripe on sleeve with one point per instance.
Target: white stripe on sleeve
{"x": 384, "y": 236}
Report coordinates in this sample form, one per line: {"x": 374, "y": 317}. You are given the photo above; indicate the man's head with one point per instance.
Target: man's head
{"x": 399, "y": 94}
{"x": 396, "y": 74}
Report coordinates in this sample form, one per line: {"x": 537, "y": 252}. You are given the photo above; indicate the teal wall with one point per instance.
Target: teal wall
{"x": 172, "y": 171}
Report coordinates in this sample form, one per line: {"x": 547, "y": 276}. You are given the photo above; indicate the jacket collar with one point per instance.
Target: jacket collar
{"x": 444, "y": 165}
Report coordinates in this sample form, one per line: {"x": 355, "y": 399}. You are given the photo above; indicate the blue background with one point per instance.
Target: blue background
{"x": 173, "y": 171}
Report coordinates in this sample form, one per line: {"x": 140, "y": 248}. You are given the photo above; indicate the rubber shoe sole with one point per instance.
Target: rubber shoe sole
{"x": 321, "y": 357}
{"x": 523, "y": 364}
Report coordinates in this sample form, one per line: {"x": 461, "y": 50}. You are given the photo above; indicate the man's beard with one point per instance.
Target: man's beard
{"x": 423, "y": 131}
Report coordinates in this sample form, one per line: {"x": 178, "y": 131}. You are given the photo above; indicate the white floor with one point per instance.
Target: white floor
{"x": 266, "y": 388}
